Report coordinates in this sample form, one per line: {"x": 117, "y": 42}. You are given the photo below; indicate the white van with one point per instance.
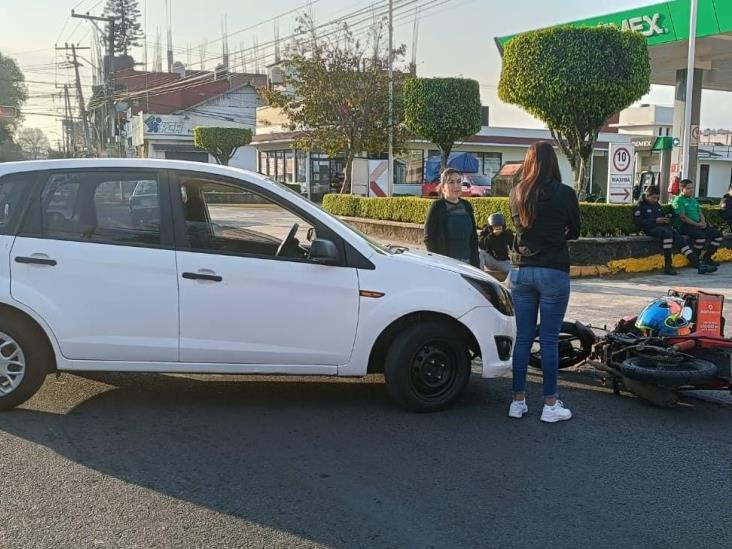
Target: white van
{"x": 233, "y": 274}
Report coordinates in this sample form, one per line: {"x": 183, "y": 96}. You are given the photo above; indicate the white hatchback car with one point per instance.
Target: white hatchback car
{"x": 233, "y": 274}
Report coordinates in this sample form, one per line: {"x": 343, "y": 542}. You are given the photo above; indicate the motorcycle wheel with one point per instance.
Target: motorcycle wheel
{"x": 669, "y": 373}
{"x": 573, "y": 349}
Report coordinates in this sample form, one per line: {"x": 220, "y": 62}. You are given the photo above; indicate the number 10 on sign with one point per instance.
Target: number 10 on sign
{"x": 620, "y": 173}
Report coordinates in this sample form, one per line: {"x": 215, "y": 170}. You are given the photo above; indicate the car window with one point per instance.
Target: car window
{"x": 227, "y": 218}
{"x": 12, "y": 192}
{"x": 480, "y": 180}
{"x": 101, "y": 207}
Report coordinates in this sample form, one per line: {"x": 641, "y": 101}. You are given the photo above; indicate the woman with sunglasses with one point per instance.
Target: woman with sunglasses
{"x": 450, "y": 225}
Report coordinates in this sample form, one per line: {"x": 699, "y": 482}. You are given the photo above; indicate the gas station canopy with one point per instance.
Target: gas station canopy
{"x": 666, "y": 28}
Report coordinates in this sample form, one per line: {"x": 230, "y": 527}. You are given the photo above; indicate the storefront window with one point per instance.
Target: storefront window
{"x": 490, "y": 162}
{"x": 408, "y": 167}
{"x": 289, "y": 166}
{"x": 271, "y": 164}
{"x": 301, "y": 166}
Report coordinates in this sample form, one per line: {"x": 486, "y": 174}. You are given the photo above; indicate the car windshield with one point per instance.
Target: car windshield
{"x": 480, "y": 180}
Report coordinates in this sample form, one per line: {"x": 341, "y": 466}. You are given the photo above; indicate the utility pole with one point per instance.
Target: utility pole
{"x": 70, "y": 122}
{"x": 390, "y": 170}
{"x": 109, "y": 67}
{"x": 79, "y": 92}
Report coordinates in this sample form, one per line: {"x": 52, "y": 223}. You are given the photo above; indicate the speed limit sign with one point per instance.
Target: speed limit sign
{"x": 620, "y": 173}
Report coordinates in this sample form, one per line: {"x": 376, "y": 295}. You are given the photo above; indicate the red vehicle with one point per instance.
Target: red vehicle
{"x": 655, "y": 365}
{"x": 474, "y": 184}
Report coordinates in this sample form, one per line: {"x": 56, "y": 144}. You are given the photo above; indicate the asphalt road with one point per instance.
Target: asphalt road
{"x": 209, "y": 462}
{"x": 154, "y": 461}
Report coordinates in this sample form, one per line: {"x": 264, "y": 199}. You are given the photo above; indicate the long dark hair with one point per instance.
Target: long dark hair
{"x": 540, "y": 165}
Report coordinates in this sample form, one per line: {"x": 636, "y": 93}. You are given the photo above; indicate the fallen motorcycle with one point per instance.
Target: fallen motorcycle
{"x": 676, "y": 343}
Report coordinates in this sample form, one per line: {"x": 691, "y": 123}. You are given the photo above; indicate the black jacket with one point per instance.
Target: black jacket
{"x": 557, "y": 220}
{"x": 726, "y": 205}
{"x": 435, "y": 230}
{"x": 645, "y": 215}
{"x": 497, "y": 246}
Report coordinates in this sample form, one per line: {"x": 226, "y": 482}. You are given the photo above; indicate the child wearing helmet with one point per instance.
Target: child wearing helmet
{"x": 494, "y": 242}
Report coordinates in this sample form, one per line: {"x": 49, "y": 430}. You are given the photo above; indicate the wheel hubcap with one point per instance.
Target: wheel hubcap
{"x": 12, "y": 364}
{"x": 433, "y": 370}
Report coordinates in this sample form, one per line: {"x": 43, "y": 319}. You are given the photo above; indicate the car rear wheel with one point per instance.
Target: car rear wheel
{"x": 427, "y": 367}
{"x": 24, "y": 362}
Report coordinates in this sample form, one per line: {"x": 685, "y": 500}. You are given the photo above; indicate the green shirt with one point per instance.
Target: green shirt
{"x": 688, "y": 207}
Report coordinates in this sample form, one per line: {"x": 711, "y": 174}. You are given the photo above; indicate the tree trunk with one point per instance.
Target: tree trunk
{"x": 580, "y": 178}
{"x": 347, "y": 172}
{"x": 445, "y": 149}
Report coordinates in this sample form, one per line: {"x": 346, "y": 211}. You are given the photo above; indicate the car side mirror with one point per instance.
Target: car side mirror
{"x": 324, "y": 252}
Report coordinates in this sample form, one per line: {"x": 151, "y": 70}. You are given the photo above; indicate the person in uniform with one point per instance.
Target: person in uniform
{"x": 649, "y": 217}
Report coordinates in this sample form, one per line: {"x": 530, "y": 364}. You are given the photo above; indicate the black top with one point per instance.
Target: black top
{"x": 436, "y": 236}
{"x": 557, "y": 220}
{"x": 726, "y": 205}
{"x": 645, "y": 214}
{"x": 497, "y": 246}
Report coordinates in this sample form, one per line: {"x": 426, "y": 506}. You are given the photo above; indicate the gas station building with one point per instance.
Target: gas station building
{"x": 666, "y": 28}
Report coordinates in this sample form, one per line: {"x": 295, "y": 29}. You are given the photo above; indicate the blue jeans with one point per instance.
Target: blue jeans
{"x": 534, "y": 290}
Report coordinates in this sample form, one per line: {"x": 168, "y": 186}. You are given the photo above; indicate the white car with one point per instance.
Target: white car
{"x": 235, "y": 274}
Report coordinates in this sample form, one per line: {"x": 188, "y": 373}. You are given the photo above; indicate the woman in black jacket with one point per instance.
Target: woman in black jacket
{"x": 450, "y": 225}
{"x": 546, "y": 214}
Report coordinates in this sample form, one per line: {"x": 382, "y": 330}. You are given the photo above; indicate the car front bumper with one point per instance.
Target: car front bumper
{"x": 492, "y": 329}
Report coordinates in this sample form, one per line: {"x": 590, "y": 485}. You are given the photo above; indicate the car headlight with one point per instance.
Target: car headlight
{"x": 499, "y": 296}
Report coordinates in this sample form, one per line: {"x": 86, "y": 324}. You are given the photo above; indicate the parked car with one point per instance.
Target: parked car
{"x": 474, "y": 184}
{"x": 144, "y": 203}
{"x": 268, "y": 284}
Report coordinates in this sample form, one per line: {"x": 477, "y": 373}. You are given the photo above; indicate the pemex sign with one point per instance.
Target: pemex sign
{"x": 662, "y": 23}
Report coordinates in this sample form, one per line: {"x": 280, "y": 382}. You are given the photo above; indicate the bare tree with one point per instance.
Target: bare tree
{"x": 33, "y": 142}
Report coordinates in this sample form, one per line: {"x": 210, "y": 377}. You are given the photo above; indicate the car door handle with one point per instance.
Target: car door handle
{"x": 200, "y": 276}
{"x": 35, "y": 260}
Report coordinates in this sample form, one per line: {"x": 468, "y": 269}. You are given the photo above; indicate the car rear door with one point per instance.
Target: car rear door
{"x": 104, "y": 280}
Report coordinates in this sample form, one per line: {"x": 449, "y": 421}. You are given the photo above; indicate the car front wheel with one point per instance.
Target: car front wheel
{"x": 427, "y": 367}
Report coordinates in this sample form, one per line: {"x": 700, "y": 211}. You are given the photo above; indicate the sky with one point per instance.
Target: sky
{"x": 455, "y": 38}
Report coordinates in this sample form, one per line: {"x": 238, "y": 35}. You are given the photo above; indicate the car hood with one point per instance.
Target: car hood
{"x": 429, "y": 259}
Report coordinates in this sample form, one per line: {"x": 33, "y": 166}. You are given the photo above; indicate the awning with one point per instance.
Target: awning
{"x": 663, "y": 143}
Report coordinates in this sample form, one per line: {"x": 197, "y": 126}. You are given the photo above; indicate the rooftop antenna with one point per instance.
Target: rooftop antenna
{"x": 277, "y": 40}
{"x": 255, "y": 50}
{"x": 157, "y": 52}
{"x": 202, "y": 55}
{"x": 169, "y": 16}
{"x": 189, "y": 56}
{"x": 225, "y": 42}
{"x": 415, "y": 40}
{"x": 243, "y": 57}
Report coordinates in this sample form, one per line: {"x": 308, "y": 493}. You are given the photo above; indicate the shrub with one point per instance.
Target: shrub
{"x": 597, "y": 219}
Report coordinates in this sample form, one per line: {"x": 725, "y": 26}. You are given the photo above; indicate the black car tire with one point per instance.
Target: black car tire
{"x": 427, "y": 367}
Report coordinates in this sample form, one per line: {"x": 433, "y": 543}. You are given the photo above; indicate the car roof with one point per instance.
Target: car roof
{"x": 131, "y": 163}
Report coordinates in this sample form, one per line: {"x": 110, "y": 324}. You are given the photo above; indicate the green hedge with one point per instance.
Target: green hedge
{"x": 597, "y": 219}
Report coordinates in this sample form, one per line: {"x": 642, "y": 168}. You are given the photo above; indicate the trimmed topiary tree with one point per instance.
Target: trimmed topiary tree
{"x": 442, "y": 110}
{"x": 221, "y": 143}
{"x": 574, "y": 79}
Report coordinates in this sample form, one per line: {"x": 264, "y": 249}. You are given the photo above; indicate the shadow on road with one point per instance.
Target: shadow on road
{"x": 336, "y": 463}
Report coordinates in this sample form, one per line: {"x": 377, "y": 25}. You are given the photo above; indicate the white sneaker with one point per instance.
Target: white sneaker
{"x": 518, "y": 408}
{"x": 552, "y": 414}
